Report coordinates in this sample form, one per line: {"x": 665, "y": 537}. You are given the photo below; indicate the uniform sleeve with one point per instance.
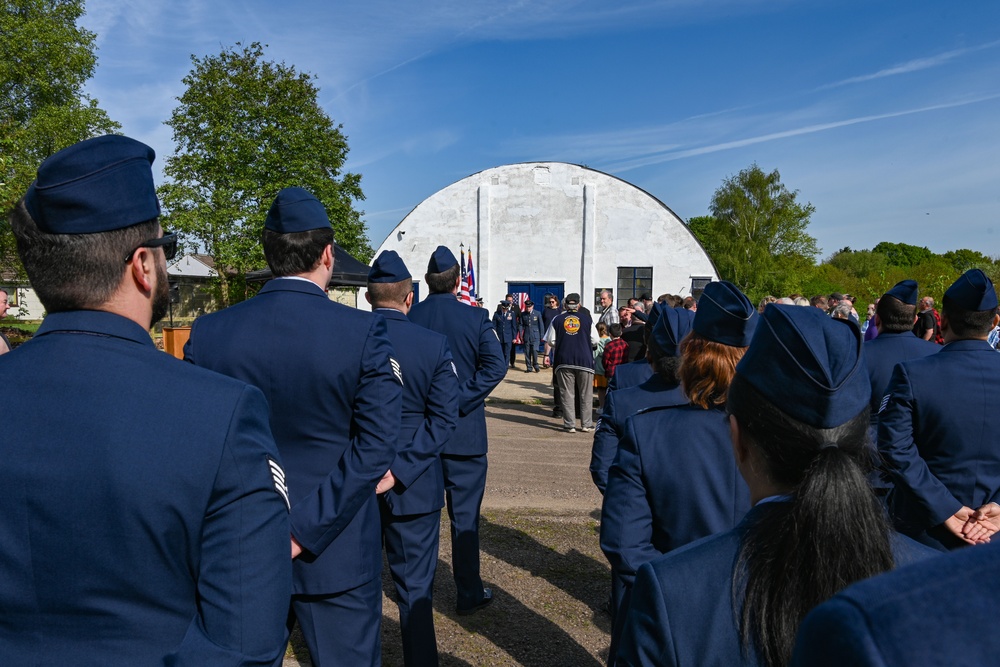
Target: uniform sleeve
{"x": 440, "y": 419}
{"x": 899, "y": 450}
{"x": 836, "y": 634}
{"x": 646, "y": 638}
{"x": 245, "y": 571}
{"x": 320, "y": 516}
{"x": 626, "y": 518}
{"x": 490, "y": 370}
{"x": 605, "y": 447}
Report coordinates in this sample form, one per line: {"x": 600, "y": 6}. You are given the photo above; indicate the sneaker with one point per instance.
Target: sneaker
{"x": 569, "y": 429}
{"x": 587, "y": 429}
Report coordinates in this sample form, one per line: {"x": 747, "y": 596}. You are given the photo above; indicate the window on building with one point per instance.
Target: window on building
{"x": 633, "y": 282}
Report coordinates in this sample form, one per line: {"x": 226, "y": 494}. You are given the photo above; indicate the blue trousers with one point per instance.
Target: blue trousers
{"x": 531, "y": 355}
{"x": 411, "y": 548}
{"x": 344, "y": 628}
{"x": 464, "y": 485}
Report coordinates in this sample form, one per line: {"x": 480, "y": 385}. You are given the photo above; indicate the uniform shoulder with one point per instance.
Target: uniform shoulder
{"x": 719, "y": 549}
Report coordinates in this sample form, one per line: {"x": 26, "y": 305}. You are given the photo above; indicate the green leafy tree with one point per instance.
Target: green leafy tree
{"x": 245, "y": 128}
{"x": 45, "y": 60}
{"x": 964, "y": 259}
{"x": 756, "y": 233}
{"x": 903, "y": 254}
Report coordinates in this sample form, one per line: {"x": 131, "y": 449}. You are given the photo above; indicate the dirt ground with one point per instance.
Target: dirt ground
{"x": 539, "y": 545}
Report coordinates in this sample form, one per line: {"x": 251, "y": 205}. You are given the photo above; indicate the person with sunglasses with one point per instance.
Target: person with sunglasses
{"x": 145, "y": 516}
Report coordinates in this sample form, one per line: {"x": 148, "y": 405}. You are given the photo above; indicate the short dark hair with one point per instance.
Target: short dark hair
{"x": 615, "y": 330}
{"x": 390, "y": 294}
{"x": 297, "y": 252}
{"x": 967, "y": 323}
{"x": 75, "y": 271}
{"x": 442, "y": 282}
{"x": 689, "y": 302}
{"x": 895, "y": 316}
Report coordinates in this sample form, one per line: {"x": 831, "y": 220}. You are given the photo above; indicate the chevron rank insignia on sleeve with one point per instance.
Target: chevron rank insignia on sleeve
{"x": 278, "y": 475}
{"x": 397, "y": 370}
{"x": 885, "y": 402}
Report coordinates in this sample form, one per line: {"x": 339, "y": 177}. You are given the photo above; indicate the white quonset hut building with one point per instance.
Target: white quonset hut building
{"x": 543, "y": 227}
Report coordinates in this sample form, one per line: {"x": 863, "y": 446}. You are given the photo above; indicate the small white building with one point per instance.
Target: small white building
{"x": 541, "y": 227}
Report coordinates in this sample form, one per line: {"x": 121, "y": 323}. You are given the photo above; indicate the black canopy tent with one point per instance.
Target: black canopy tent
{"x": 348, "y": 271}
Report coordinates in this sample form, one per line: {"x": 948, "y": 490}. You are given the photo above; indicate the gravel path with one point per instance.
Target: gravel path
{"x": 539, "y": 543}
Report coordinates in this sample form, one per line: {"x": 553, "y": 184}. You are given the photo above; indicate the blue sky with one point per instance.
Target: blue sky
{"x": 884, "y": 115}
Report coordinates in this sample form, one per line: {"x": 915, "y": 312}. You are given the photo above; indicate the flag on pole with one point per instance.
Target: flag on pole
{"x": 471, "y": 282}
{"x": 463, "y": 292}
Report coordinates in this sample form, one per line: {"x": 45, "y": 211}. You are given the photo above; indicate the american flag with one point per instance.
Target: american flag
{"x": 471, "y": 281}
{"x": 465, "y": 293}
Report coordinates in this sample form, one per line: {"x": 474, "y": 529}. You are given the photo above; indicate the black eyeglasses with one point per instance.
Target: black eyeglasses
{"x": 168, "y": 242}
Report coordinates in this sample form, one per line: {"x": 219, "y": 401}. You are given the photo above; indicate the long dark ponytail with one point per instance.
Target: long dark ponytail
{"x": 832, "y": 533}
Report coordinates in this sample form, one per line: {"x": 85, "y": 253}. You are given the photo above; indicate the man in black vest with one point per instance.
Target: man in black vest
{"x": 573, "y": 338}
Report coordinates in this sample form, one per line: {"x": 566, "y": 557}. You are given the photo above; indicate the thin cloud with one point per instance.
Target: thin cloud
{"x": 915, "y": 65}
{"x": 810, "y": 129}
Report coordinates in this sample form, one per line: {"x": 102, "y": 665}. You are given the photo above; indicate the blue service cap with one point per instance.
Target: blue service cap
{"x": 808, "y": 364}
{"x": 296, "y": 210}
{"x": 905, "y": 291}
{"x": 96, "y": 185}
{"x": 725, "y": 315}
{"x": 388, "y": 267}
{"x": 670, "y": 329}
{"x": 973, "y": 291}
{"x": 442, "y": 259}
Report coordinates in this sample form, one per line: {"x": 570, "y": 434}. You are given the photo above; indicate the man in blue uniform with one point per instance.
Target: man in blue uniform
{"x": 894, "y": 316}
{"x": 937, "y": 429}
{"x": 144, "y": 514}
{"x": 505, "y": 321}
{"x": 334, "y": 394}
{"x": 531, "y": 326}
{"x": 481, "y": 366}
{"x": 411, "y": 510}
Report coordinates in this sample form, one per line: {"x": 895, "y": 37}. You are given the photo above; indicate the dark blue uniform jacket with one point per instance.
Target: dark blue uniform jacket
{"x": 619, "y": 405}
{"x": 682, "y": 610}
{"x": 430, "y": 412}
{"x": 140, "y": 517}
{"x": 928, "y": 614}
{"x": 334, "y": 397}
{"x": 478, "y": 360}
{"x": 939, "y": 435}
{"x": 675, "y": 481}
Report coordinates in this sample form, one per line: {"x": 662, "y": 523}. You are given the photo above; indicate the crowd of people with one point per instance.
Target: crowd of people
{"x": 777, "y": 489}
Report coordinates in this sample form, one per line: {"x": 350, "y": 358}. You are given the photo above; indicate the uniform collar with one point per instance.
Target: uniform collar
{"x": 95, "y": 322}
{"x": 390, "y": 313}
{"x": 302, "y": 286}
{"x": 968, "y": 345}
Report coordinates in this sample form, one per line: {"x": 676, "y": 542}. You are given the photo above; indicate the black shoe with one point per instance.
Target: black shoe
{"x": 487, "y": 599}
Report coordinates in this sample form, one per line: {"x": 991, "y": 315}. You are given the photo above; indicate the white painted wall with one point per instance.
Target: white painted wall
{"x": 551, "y": 222}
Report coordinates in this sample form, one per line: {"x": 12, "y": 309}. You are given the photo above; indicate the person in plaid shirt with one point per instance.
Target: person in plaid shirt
{"x": 615, "y": 352}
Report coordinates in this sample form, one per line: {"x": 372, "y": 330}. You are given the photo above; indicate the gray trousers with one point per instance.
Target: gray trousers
{"x": 573, "y": 382}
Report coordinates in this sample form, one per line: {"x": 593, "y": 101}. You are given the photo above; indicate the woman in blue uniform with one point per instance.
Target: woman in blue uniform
{"x": 798, "y": 408}
{"x": 674, "y": 479}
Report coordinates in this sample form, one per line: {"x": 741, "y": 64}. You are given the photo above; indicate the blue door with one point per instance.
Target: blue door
{"x": 536, "y": 293}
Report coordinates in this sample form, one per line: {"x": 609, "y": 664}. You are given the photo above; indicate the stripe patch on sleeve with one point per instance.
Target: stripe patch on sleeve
{"x": 278, "y": 475}
{"x": 397, "y": 370}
